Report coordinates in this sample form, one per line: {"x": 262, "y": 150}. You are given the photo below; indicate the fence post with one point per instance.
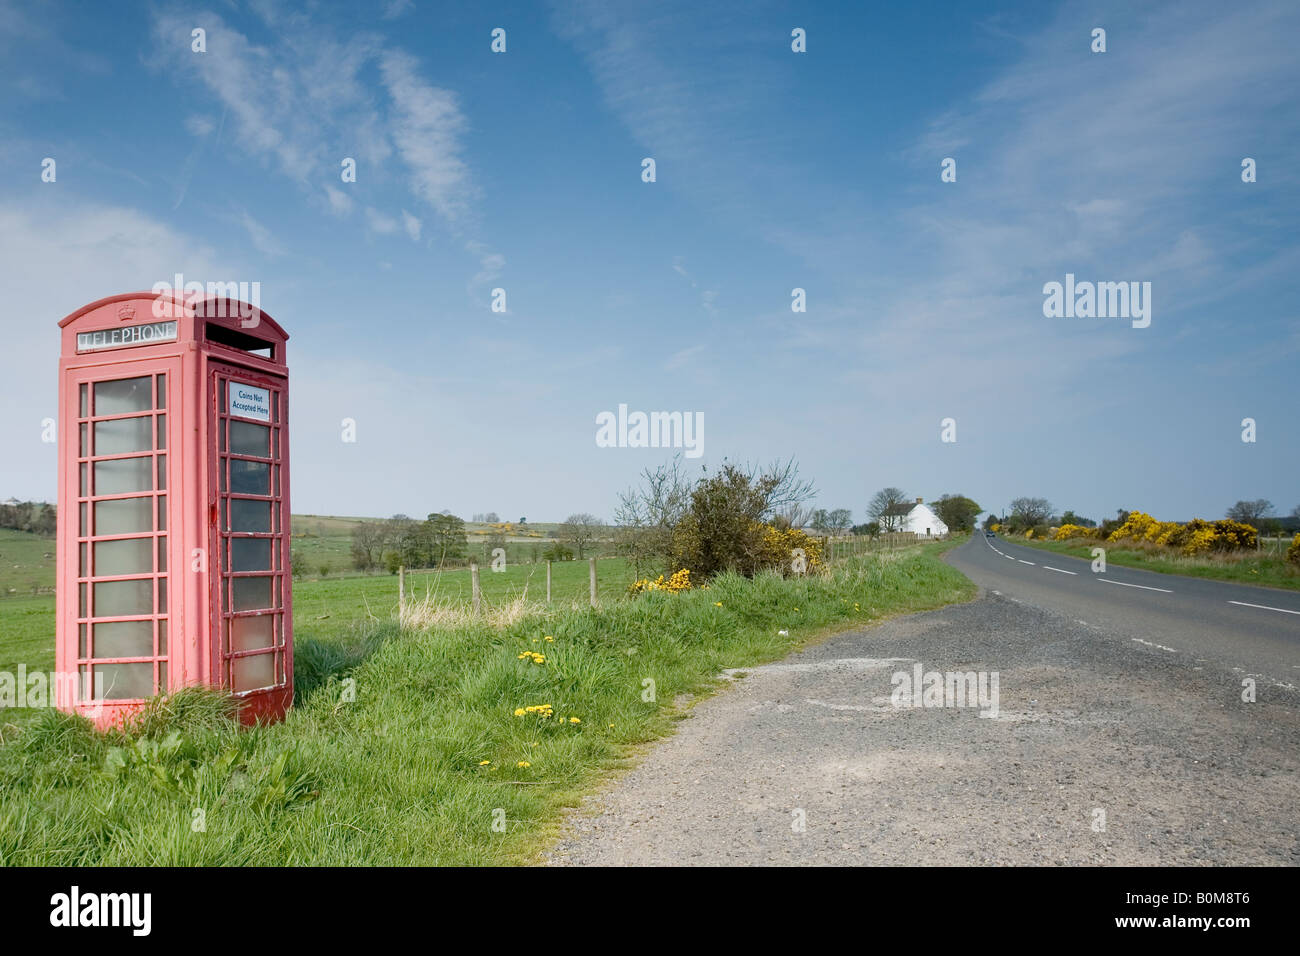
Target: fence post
{"x": 592, "y": 566}
{"x": 473, "y": 580}
{"x": 548, "y": 582}
{"x": 401, "y": 586}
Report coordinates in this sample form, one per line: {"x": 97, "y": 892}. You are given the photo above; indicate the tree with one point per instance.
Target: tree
{"x": 871, "y": 529}
{"x": 1029, "y": 512}
{"x": 1250, "y": 512}
{"x": 368, "y": 541}
{"x": 580, "y": 530}
{"x": 444, "y": 537}
{"x": 1071, "y": 518}
{"x": 884, "y": 507}
{"x": 839, "y": 520}
{"x": 646, "y": 515}
{"x": 957, "y": 511}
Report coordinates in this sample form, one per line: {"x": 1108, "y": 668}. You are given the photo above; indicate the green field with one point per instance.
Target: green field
{"x": 1267, "y": 567}
{"x": 429, "y": 763}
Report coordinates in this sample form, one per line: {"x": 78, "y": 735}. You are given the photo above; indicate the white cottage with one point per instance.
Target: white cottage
{"x": 917, "y": 518}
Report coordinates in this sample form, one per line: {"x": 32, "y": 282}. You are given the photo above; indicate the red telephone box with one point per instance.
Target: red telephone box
{"x": 173, "y": 518}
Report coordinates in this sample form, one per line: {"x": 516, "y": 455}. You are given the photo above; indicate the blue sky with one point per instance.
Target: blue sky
{"x": 775, "y": 170}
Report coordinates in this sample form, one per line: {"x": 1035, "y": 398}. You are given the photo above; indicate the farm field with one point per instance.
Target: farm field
{"x": 436, "y": 759}
{"x": 1267, "y": 567}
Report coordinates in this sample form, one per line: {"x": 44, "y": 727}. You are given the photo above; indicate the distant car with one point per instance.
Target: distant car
{"x": 988, "y": 534}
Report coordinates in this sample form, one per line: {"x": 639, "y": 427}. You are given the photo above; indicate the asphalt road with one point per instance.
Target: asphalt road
{"x": 1122, "y": 736}
{"x": 1251, "y": 630}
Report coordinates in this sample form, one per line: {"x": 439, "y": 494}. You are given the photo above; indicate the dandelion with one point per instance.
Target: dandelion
{"x": 519, "y": 712}
{"x": 523, "y": 765}
{"x": 484, "y": 763}
{"x": 717, "y": 604}
{"x": 549, "y": 639}
{"x": 574, "y": 720}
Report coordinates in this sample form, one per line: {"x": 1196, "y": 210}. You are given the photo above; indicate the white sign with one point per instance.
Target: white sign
{"x": 249, "y": 401}
{"x": 126, "y": 335}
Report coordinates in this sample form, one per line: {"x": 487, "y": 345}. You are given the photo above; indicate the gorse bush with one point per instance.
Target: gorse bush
{"x": 1293, "y": 552}
{"x": 1196, "y": 537}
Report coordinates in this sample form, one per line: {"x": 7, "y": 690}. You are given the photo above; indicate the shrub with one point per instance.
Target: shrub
{"x": 557, "y": 552}
{"x": 1293, "y": 552}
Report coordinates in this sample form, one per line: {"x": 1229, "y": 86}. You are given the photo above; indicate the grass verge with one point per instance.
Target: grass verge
{"x": 1259, "y": 568}
{"x": 430, "y": 763}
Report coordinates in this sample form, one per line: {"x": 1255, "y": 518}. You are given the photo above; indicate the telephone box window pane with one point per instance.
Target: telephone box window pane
{"x": 123, "y": 639}
{"x": 126, "y": 681}
{"x": 162, "y": 676}
{"x": 123, "y": 598}
{"x": 129, "y": 556}
{"x": 221, "y": 435}
{"x": 162, "y": 432}
{"x": 254, "y": 516}
{"x": 122, "y": 475}
{"x": 253, "y": 673}
{"x": 162, "y": 554}
{"x": 250, "y": 554}
{"x": 162, "y": 391}
{"x": 84, "y": 402}
{"x": 162, "y": 512}
{"x": 249, "y": 594}
{"x": 85, "y": 477}
{"x": 162, "y": 472}
{"x": 82, "y": 573}
{"x": 123, "y": 395}
{"x": 81, "y": 601}
{"x": 247, "y": 438}
{"x": 162, "y": 595}
{"x": 162, "y": 637}
{"x": 82, "y": 526}
{"x": 251, "y": 633}
{"x": 250, "y": 478}
{"x": 124, "y": 516}
{"x": 123, "y": 435}
{"x": 277, "y": 481}
{"x": 81, "y": 630}
{"x": 84, "y": 448}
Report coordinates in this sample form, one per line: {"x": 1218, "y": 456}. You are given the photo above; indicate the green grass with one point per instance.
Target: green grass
{"x": 397, "y": 776}
{"x": 26, "y": 563}
{"x": 1252, "y": 567}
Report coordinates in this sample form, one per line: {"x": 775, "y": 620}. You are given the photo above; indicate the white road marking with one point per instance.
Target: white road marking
{"x": 1030, "y": 563}
{"x": 1142, "y": 586}
{"x": 1264, "y": 607}
{"x": 1161, "y": 646}
{"x": 1048, "y": 567}
{"x": 1008, "y": 557}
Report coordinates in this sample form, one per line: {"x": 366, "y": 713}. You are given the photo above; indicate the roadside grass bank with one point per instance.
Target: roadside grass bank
{"x": 449, "y": 743}
{"x": 1251, "y": 567}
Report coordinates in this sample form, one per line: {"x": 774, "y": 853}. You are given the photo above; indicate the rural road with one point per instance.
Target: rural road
{"x": 1121, "y": 737}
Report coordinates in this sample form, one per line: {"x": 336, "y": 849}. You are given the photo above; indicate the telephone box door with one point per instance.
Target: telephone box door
{"x": 249, "y": 535}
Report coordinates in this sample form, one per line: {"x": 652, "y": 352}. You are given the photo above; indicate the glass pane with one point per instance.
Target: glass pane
{"x": 129, "y": 556}
{"x": 162, "y": 472}
{"x": 249, "y": 594}
{"x": 276, "y": 491}
{"x": 83, "y": 401}
{"x": 162, "y": 637}
{"x": 83, "y": 449}
{"x": 251, "y": 633}
{"x": 162, "y": 676}
{"x": 123, "y": 435}
{"x": 162, "y": 554}
{"x": 123, "y": 639}
{"x": 250, "y": 515}
{"x": 221, "y": 475}
{"x": 122, "y": 475}
{"x": 126, "y": 681}
{"x": 250, "y": 673}
{"x": 162, "y": 431}
{"x": 162, "y": 391}
{"x": 250, "y": 554}
{"x": 81, "y": 629}
{"x": 124, "y": 516}
{"x": 82, "y": 573}
{"x": 248, "y": 438}
{"x": 123, "y": 598}
{"x": 250, "y": 478}
{"x": 162, "y": 512}
{"x": 123, "y": 395}
{"x": 81, "y": 532}
{"x": 81, "y": 601}
{"x": 85, "y": 477}
{"x": 162, "y": 595}
{"x": 221, "y": 435}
